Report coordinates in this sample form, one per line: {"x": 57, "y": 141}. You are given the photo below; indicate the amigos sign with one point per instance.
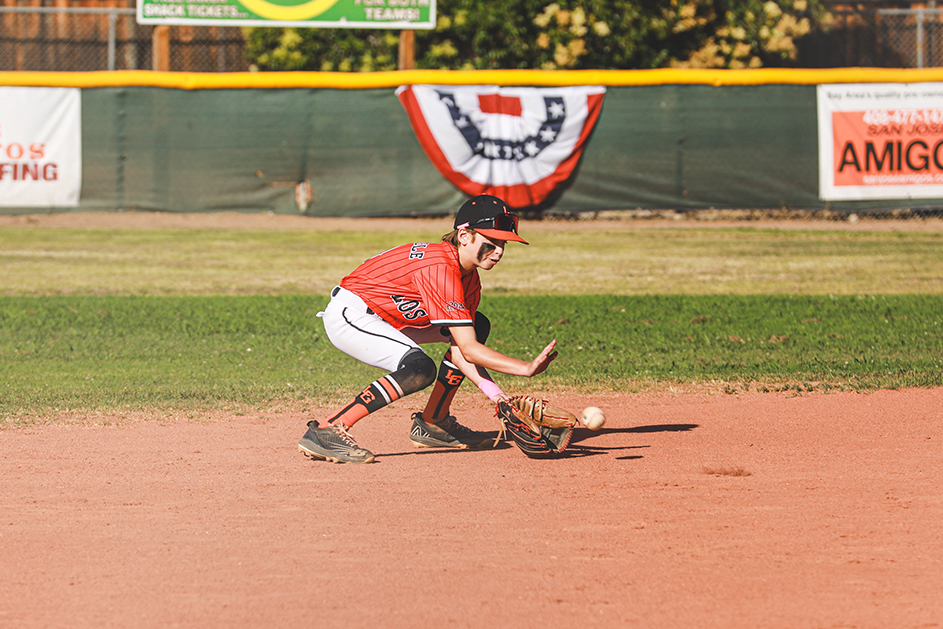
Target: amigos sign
{"x": 880, "y": 141}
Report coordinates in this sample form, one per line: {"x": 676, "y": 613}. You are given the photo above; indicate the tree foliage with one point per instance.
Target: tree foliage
{"x": 564, "y": 34}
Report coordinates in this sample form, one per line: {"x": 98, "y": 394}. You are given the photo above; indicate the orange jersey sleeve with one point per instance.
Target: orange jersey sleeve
{"x": 417, "y": 285}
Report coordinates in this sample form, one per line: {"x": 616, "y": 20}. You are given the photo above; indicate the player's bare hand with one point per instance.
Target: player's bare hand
{"x": 543, "y": 360}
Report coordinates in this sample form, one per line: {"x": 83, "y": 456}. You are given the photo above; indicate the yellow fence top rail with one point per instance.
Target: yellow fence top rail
{"x": 367, "y": 80}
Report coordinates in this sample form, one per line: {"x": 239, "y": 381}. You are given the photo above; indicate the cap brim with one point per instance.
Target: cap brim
{"x": 501, "y": 235}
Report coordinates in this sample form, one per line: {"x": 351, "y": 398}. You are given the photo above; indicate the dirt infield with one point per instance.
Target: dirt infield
{"x": 694, "y": 510}
{"x": 688, "y": 510}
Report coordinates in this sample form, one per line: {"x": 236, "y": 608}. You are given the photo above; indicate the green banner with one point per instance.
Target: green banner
{"x": 392, "y": 14}
{"x": 352, "y": 152}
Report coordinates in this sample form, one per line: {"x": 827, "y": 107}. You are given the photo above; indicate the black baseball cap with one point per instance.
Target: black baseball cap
{"x": 490, "y": 217}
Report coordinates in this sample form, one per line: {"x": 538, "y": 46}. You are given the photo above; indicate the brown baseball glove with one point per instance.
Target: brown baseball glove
{"x": 539, "y": 429}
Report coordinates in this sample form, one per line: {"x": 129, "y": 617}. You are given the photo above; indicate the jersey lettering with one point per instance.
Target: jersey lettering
{"x": 408, "y": 307}
{"x": 416, "y": 251}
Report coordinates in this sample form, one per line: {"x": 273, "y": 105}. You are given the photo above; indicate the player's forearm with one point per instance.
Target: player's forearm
{"x": 469, "y": 369}
{"x": 475, "y": 373}
{"x": 484, "y": 356}
{"x": 478, "y": 375}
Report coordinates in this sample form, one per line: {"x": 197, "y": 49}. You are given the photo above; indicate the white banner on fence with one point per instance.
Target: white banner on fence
{"x": 40, "y": 146}
{"x": 880, "y": 141}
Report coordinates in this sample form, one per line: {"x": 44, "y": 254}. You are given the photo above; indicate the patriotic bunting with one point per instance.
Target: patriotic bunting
{"x": 516, "y": 143}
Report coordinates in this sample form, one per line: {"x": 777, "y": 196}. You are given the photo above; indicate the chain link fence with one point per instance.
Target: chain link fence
{"x": 877, "y": 38}
{"x": 914, "y": 34}
{"x": 52, "y": 38}
{"x": 49, "y": 38}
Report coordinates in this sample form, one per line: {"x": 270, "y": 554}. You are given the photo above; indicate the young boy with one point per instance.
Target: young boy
{"x": 412, "y": 295}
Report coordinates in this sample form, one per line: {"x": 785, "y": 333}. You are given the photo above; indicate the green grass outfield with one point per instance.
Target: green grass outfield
{"x": 199, "y": 319}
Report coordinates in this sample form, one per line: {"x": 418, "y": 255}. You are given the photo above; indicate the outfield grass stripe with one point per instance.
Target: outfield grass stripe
{"x": 93, "y": 352}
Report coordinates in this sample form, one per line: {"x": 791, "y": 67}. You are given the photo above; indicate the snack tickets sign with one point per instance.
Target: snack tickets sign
{"x": 40, "y": 146}
{"x": 392, "y": 14}
{"x": 880, "y": 141}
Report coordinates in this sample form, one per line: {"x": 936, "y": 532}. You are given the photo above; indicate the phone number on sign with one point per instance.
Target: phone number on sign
{"x": 902, "y": 116}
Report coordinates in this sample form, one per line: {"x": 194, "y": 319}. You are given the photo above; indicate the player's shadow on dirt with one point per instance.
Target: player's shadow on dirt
{"x": 487, "y": 445}
{"x": 580, "y": 451}
{"x": 658, "y": 428}
{"x": 581, "y": 434}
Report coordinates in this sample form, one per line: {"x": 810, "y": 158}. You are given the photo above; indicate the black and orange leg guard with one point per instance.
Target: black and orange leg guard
{"x": 416, "y": 372}
{"x": 450, "y": 377}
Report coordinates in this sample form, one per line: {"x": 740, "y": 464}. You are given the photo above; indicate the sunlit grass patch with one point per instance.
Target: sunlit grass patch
{"x": 199, "y": 352}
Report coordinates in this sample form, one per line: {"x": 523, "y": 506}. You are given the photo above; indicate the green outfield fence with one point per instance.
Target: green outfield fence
{"x": 336, "y": 144}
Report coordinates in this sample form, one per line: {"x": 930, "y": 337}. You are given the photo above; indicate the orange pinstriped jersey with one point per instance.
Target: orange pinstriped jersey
{"x": 417, "y": 285}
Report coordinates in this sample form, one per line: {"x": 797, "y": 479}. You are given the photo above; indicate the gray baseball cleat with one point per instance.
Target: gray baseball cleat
{"x": 447, "y": 433}
{"x": 332, "y": 443}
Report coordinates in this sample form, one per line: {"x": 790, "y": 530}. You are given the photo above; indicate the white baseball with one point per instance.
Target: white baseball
{"x": 593, "y": 418}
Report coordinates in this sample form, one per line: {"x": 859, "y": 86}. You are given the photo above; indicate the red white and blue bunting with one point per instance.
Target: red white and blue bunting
{"x": 516, "y": 143}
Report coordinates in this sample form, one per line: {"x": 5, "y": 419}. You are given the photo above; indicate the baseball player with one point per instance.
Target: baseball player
{"x": 409, "y": 296}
